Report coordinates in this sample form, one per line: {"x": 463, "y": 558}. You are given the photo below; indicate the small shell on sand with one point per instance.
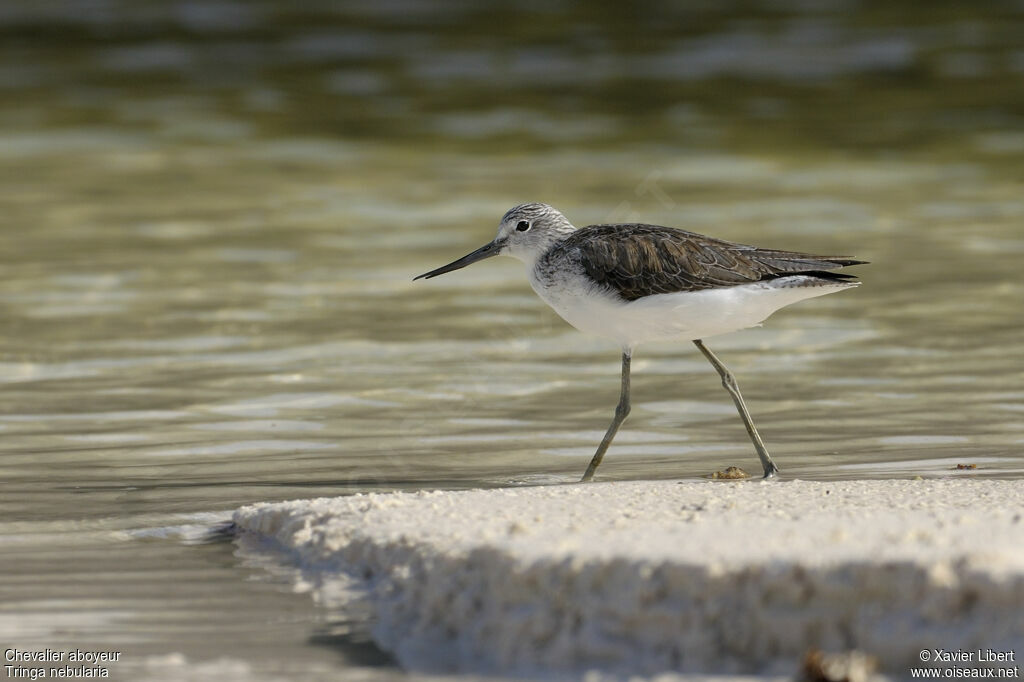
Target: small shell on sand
{"x": 732, "y": 473}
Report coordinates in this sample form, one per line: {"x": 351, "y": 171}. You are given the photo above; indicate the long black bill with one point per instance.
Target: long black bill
{"x": 485, "y": 251}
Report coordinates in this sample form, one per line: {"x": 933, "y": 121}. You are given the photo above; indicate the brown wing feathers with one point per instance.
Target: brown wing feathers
{"x": 641, "y": 260}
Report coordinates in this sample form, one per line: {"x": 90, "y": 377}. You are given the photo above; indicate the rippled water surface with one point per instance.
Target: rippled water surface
{"x": 212, "y": 213}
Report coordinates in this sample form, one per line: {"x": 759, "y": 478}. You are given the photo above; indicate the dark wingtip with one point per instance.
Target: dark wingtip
{"x": 831, "y": 276}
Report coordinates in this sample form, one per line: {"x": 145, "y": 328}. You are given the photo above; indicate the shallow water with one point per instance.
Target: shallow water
{"x": 213, "y": 212}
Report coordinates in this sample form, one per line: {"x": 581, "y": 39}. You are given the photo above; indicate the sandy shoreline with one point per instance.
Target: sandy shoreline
{"x": 646, "y": 577}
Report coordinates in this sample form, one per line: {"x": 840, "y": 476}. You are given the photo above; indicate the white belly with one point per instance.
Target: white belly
{"x": 680, "y": 316}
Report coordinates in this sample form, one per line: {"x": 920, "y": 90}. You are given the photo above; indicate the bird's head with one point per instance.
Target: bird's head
{"x": 525, "y": 232}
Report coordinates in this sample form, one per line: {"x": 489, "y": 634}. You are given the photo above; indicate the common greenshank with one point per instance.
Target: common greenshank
{"x": 634, "y": 283}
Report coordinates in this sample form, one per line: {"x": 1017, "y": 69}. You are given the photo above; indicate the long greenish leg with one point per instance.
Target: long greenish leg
{"x": 729, "y": 383}
{"x": 621, "y": 411}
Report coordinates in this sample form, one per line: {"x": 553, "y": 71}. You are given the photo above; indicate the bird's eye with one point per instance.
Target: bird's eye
{"x": 523, "y": 226}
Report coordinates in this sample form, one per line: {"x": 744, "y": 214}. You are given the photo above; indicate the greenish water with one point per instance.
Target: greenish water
{"x": 212, "y": 213}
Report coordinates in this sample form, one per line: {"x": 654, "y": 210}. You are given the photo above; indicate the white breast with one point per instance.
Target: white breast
{"x": 682, "y": 316}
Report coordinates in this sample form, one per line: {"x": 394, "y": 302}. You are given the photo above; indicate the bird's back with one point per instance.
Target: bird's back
{"x": 636, "y": 260}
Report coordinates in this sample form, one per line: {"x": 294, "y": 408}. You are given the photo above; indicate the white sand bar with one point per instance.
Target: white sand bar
{"x": 645, "y": 577}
